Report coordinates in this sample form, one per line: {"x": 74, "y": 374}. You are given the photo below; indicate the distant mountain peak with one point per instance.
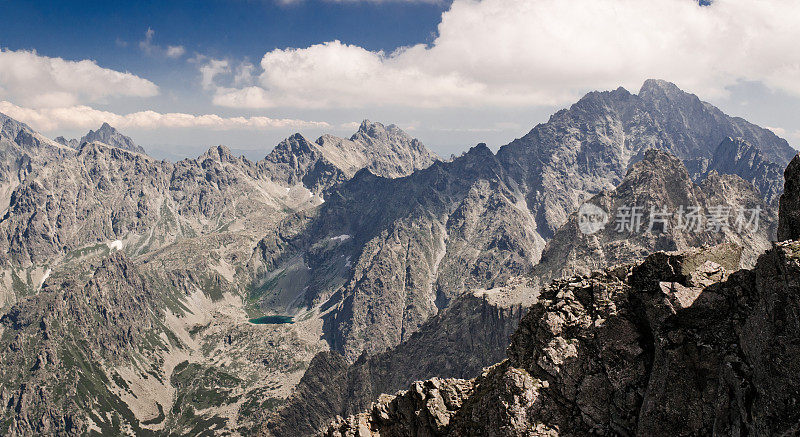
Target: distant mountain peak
{"x": 371, "y": 129}
{"x": 220, "y": 153}
{"x": 651, "y": 86}
{"x": 107, "y": 134}
{"x": 386, "y": 151}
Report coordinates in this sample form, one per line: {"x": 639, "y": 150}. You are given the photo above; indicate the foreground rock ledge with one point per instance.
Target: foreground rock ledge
{"x": 677, "y": 345}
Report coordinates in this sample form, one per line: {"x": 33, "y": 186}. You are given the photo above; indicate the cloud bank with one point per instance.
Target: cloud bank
{"x": 512, "y": 53}
{"x": 85, "y": 117}
{"x": 30, "y": 79}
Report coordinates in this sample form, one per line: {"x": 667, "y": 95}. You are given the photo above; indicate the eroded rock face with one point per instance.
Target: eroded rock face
{"x": 789, "y": 224}
{"x": 677, "y": 345}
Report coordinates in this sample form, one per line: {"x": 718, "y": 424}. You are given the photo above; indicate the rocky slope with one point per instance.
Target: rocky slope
{"x": 681, "y": 344}
{"x": 406, "y": 260}
{"x": 23, "y": 151}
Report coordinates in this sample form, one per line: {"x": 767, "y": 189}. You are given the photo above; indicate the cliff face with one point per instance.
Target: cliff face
{"x": 677, "y": 345}
{"x": 789, "y": 224}
{"x": 459, "y": 342}
{"x": 735, "y": 156}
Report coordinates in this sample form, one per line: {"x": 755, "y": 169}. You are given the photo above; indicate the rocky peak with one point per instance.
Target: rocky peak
{"x": 295, "y": 145}
{"x": 789, "y": 219}
{"x": 379, "y": 131}
{"x": 109, "y": 135}
{"x": 657, "y": 88}
{"x": 375, "y": 130}
{"x": 219, "y": 153}
{"x": 385, "y": 150}
{"x": 73, "y": 143}
{"x": 10, "y": 128}
{"x": 393, "y": 143}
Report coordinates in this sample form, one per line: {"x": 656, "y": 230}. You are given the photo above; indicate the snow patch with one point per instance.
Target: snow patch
{"x": 44, "y": 277}
{"x": 115, "y": 245}
{"x": 340, "y": 238}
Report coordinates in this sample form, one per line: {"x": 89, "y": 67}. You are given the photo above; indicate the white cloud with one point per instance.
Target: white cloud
{"x": 152, "y": 49}
{"x": 40, "y": 81}
{"x": 210, "y": 70}
{"x": 175, "y": 51}
{"x": 84, "y": 117}
{"x": 540, "y": 52}
{"x": 779, "y": 131}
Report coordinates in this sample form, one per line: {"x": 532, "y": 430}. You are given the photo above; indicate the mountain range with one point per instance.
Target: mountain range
{"x": 221, "y": 295}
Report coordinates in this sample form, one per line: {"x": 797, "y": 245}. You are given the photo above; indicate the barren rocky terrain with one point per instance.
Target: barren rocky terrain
{"x": 223, "y": 296}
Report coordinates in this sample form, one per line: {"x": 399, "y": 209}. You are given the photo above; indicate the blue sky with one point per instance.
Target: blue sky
{"x": 230, "y": 28}
{"x": 182, "y": 76}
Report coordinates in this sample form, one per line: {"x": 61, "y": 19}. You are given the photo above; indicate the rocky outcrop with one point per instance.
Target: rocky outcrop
{"x": 425, "y": 409}
{"x": 789, "y": 226}
{"x": 677, "y": 345}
